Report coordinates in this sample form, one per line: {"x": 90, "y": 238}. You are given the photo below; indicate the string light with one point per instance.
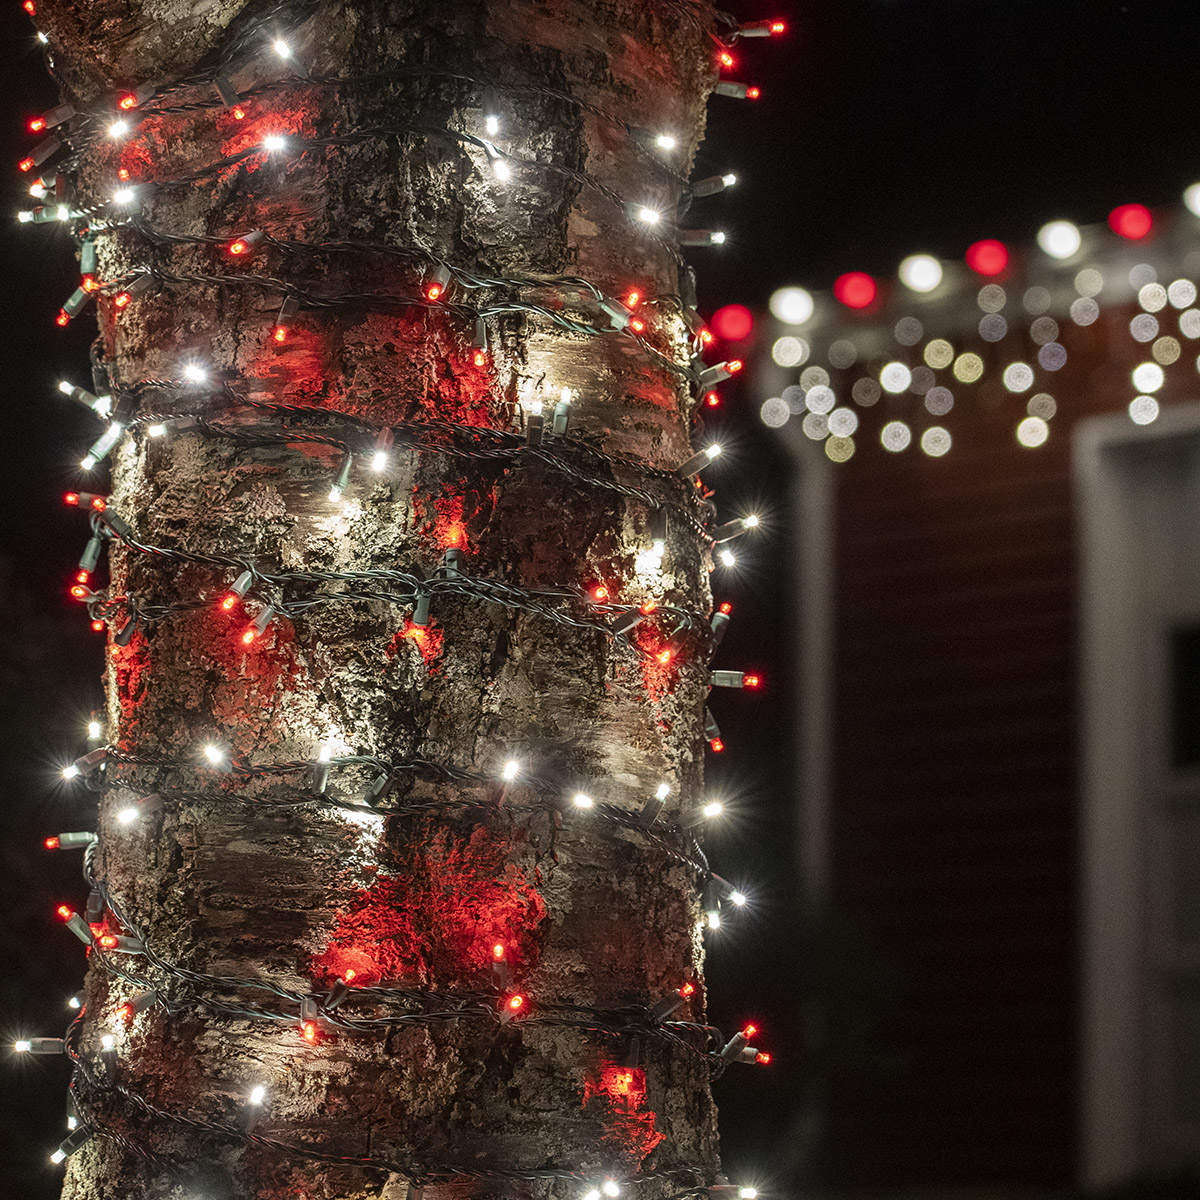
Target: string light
{"x": 109, "y": 931}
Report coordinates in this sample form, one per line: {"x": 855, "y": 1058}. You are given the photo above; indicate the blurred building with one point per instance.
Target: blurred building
{"x": 998, "y": 554}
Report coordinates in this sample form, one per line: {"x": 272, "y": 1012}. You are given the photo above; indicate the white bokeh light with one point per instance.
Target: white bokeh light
{"x": 774, "y": 412}
{"x": 1147, "y": 377}
{"x": 935, "y": 441}
{"x": 920, "y": 272}
{"x": 1059, "y": 239}
{"x": 1018, "y": 377}
{"x": 895, "y": 378}
{"x": 791, "y": 305}
{"x": 895, "y": 436}
{"x": 1191, "y": 199}
{"x": 1032, "y": 431}
{"x": 789, "y": 351}
{"x": 1143, "y": 410}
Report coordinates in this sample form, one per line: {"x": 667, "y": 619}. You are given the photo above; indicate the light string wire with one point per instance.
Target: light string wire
{"x": 86, "y": 1080}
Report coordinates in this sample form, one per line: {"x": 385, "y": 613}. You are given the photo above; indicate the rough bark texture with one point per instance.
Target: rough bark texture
{"x": 299, "y": 895}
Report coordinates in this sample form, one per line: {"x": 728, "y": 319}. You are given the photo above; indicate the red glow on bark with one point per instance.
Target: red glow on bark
{"x": 238, "y": 113}
{"x": 452, "y": 897}
{"x": 309, "y": 1032}
{"x": 617, "y": 1099}
{"x": 657, "y": 668}
{"x": 498, "y": 951}
{"x": 688, "y": 989}
{"x": 428, "y": 640}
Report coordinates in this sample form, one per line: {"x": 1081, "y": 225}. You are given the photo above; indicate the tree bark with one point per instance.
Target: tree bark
{"x": 228, "y": 877}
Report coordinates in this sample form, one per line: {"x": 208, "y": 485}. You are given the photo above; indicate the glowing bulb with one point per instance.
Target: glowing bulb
{"x": 107, "y": 1042}
{"x": 157, "y": 431}
{"x": 502, "y": 169}
{"x": 1059, "y": 239}
{"x": 747, "y": 1193}
{"x": 195, "y": 374}
{"x": 492, "y": 124}
{"x": 74, "y": 1002}
{"x": 738, "y": 898}
{"x": 665, "y": 142}
{"x": 118, "y": 129}
{"x": 274, "y": 141}
{"x": 583, "y": 801}
{"x": 511, "y": 768}
{"x": 281, "y": 48}
{"x": 714, "y": 920}
{"x": 335, "y": 494}
{"x": 610, "y": 1188}
{"x": 22, "y": 1046}
{"x": 729, "y": 180}
{"x": 920, "y": 272}
{"x": 714, "y": 808}
{"x": 594, "y": 1194}
{"x": 258, "y": 1094}
{"x": 713, "y": 451}
{"x": 728, "y": 558}
{"x": 751, "y": 522}
{"x": 70, "y": 772}
{"x": 379, "y": 461}
{"x": 123, "y": 196}
{"x": 214, "y": 754}
{"x": 57, "y": 1157}
{"x": 648, "y": 215}
{"x": 663, "y": 791}
{"x": 718, "y": 238}
{"x": 127, "y": 815}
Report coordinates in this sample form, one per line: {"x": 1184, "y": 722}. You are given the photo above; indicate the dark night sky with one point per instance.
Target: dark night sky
{"x": 886, "y": 127}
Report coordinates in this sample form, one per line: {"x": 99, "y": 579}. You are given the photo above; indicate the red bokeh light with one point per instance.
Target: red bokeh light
{"x": 855, "y": 289}
{"x": 1132, "y": 221}
{"x": 988, "y": 257}
{"x": 733, "y": 323}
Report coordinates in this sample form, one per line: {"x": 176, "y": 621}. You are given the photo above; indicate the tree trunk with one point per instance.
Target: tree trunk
{"x": 244, "y": 878}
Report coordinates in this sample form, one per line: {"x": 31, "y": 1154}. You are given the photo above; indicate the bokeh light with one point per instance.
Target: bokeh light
{"x": 820, "y": 399}
{"x": 839, "y": 449}
{"x": 774, "y": 412}
{"x": 1143, "y": 410}
{"x": 791, "y": 305}
{"x": 1148, "y": 377}
{"x": 987, "y": 257}
{"x": 1059, "y": 239}
{"x": 855, "y": 289}
{"x": 939, "y": 353}
{"x": 920, "y": 272}
{"x": 1132, "y": 221}
{"x": 790, "y": 351}
{"x": 1191, "y": 199}
{"x": 968, "y": 368}
{"x": 895, "y": 436}
{"x": 935, "y": 441}
{"x": 1182, "y": 293}
{"x": 1042, "y": 405}
{"x": 895, "y": 378}
{"x": 1152, "y": 297}
{"x": 939, "y": 401}
{"x": 1032, "y": 431}
{"x": 1166, "y": 351}
{"x": 733, "y": 323}
{"x": 843, "y": 422}
{"x": 1084, "y": 311}
{"x": 866, "y": 392}
{"x": 1018, "y": 377}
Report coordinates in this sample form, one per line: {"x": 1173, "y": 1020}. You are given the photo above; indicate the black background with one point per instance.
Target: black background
{"x": 885, "y": 127}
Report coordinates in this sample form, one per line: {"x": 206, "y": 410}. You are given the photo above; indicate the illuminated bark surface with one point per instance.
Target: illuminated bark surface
{"x": 591, "y": 914}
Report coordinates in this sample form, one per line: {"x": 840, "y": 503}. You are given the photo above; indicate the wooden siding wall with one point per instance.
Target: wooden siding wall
{"x": 954, "y": 784}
